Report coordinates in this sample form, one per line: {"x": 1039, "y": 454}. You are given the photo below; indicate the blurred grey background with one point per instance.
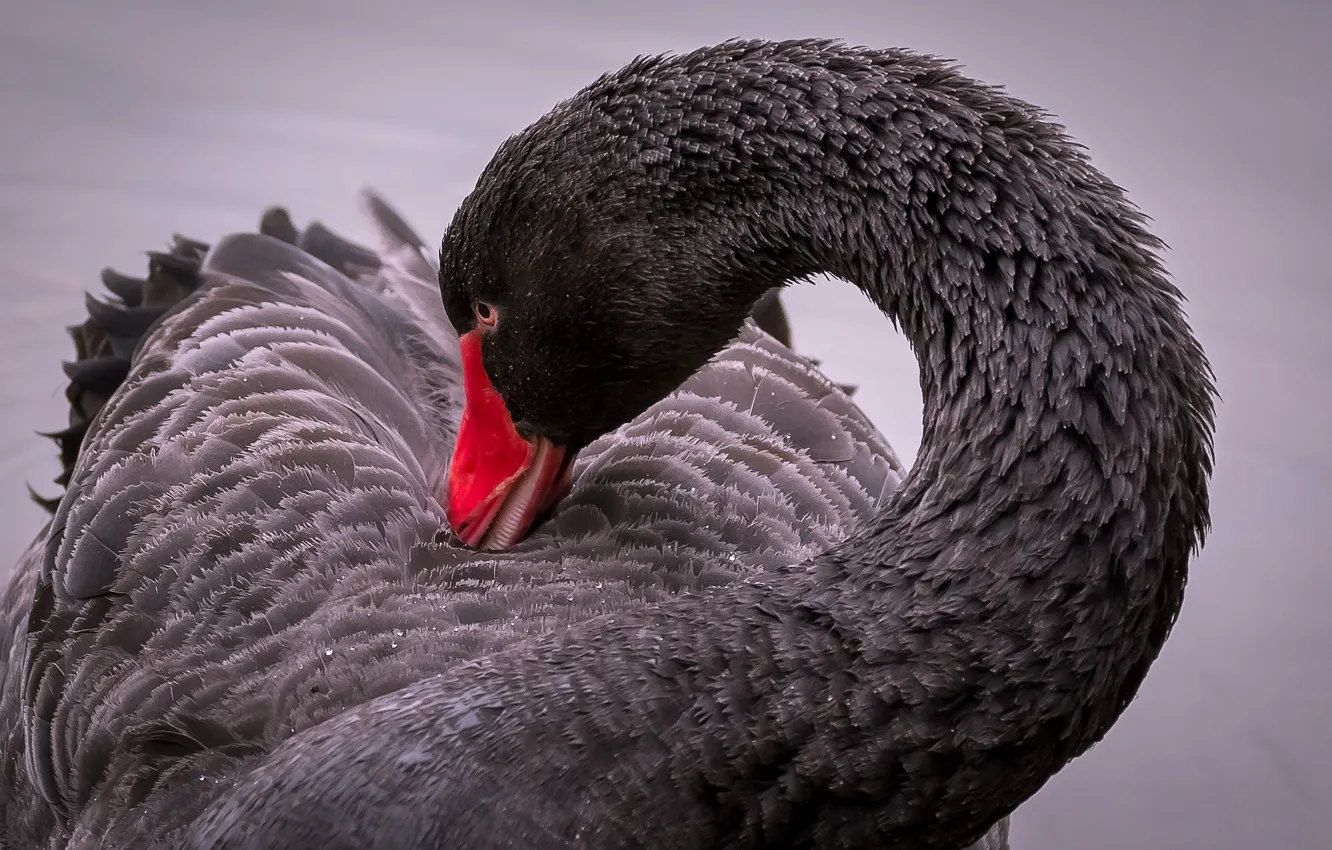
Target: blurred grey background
{"x": 121, "y": 122}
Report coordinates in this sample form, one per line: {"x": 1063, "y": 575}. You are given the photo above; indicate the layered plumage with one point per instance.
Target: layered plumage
{"x": 251, "y": 540}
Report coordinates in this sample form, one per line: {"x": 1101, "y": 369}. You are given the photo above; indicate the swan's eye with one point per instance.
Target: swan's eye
{"x": 486, "y": 314}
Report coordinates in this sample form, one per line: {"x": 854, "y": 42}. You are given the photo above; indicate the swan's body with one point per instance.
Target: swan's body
{"x": 907, "y": 687}
{"x": 248, "y": 535}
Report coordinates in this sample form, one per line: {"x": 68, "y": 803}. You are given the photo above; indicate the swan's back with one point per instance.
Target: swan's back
{"x": 250, "y": 540}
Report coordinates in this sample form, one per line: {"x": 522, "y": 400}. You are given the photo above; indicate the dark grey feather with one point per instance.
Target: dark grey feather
{"x": 249, "y": 544}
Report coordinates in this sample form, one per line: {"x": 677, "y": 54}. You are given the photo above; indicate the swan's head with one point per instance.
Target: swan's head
{"x": 584, "y": 291}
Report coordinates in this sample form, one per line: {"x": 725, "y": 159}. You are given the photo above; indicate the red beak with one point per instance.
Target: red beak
{"x": 499, "y": 482}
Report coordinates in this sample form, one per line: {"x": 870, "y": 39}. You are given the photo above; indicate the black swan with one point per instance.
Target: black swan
{"x": 907, "y": 687}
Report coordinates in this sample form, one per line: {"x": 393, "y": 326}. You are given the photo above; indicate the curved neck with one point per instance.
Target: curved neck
{"x": 1034, "y": 560}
